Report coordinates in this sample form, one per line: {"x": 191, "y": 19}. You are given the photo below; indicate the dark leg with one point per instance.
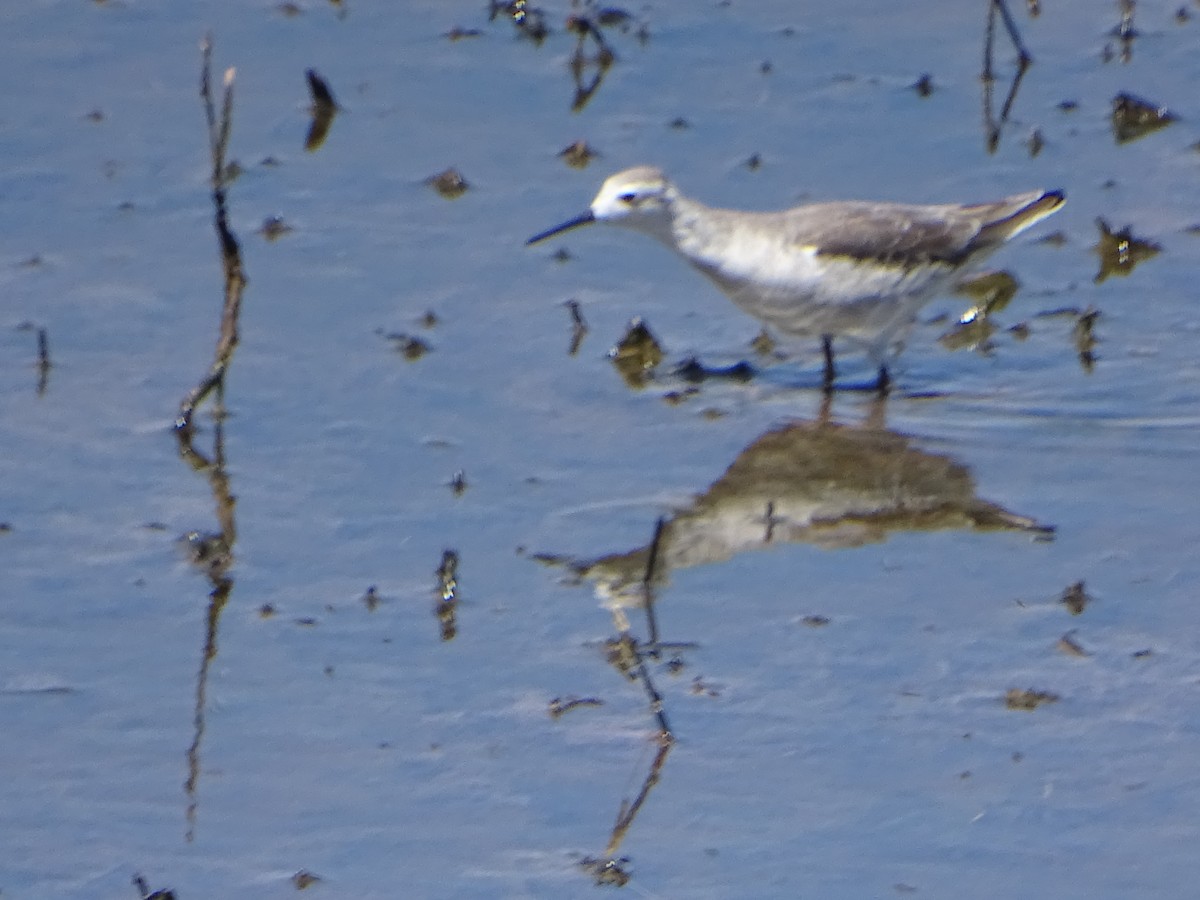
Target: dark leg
{"x": 830, "y": 372}
{"x": 884, "y": 385}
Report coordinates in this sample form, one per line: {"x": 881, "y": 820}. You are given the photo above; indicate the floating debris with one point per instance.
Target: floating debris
{"x": 1016, "y": 698}
{"x": 144, "y": 889}
{"x": 578, "y": 154}
{"x": 1085, "y": 338}
{"x": 1075, "y": 598}
{"x": 754, "y": 162}
{"x": 814, "y": 621}
{"x": 607, "y": 871}
{"x": 304, "y": 879}
{"x": 324, "y": 108}
{"x": 458, "y": 33}
{"x": 923, "y": 85}
{"x": 623, "y": 656}
{"x": 609, "y": 16}
{"x": 1068, "y": 105}
{"x": 991, "y": 292}
{"x": 1068, "y": 645}
{"x": 637, "y": 354}
{"x": 1035, "y": 143}
{"x": 96, "y": 115}
{"x": 450, "y": 183}
{"x": 274, "y": 227}
{"x": 1120, "y": 252}
{"x": 371, "y": 599}
{"x": 429, "y": 319}
{"x": 266, "y": 611}
{"x": 1134, "y": 118}
{"x": 409, "y": 346}
{"x": 530, "y": 21}
{"x": 675, "y": 398}
{"x": 560, "y": 707}
{"x": 763, "y": 344}
{"x": 458, "y": 483}
{"x": 679, "y": 124}
{"x": 206, "y": 550}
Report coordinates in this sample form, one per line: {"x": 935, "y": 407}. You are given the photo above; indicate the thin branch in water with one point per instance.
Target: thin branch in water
{"x": 214, "y": 552}
{"x": 219, "y": 129}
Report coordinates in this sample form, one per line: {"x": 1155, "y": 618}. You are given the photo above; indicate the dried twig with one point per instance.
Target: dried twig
{"x": 231, "y": 255}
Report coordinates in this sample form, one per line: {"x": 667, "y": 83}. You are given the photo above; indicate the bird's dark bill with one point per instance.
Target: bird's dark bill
{"x": 585, "y": 219}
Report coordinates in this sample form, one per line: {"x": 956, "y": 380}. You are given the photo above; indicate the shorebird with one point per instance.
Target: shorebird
{"x": 856, "y": 271}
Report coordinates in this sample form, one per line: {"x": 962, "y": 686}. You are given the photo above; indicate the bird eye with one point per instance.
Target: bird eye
{"x": 627, "y": 197}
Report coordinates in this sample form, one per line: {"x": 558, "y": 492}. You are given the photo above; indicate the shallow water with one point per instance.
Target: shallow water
{"x": 150, "y": 727}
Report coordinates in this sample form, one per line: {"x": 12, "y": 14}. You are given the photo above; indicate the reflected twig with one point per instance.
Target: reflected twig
{"x": 1124, "y": 32}
{"x": 1010, "y": 25}
{"x": 324, "y": 108}
{"x": 43, "y": 362}
{"x": 631, "y": 655}
{"x": 579, "y": 327}
{"x": 1084, "y": 336}
{"x": 993, "y": 125}
{"x": 214, "y": 551}
{"x": 610, "y": 869}
{"x": 447, "y": 592}
{"x": 586, "y": 29}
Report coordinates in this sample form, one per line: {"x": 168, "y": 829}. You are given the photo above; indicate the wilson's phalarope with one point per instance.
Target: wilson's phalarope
{"x": 853, "y": 270}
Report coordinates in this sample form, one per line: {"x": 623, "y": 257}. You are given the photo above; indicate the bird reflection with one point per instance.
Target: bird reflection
{"x": 818, "y": 482}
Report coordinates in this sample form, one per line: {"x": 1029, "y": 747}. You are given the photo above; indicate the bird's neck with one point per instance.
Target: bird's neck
{"x": 698, "y": 232}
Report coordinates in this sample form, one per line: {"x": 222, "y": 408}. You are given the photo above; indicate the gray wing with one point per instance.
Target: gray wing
{"x": 896, "y": 234}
